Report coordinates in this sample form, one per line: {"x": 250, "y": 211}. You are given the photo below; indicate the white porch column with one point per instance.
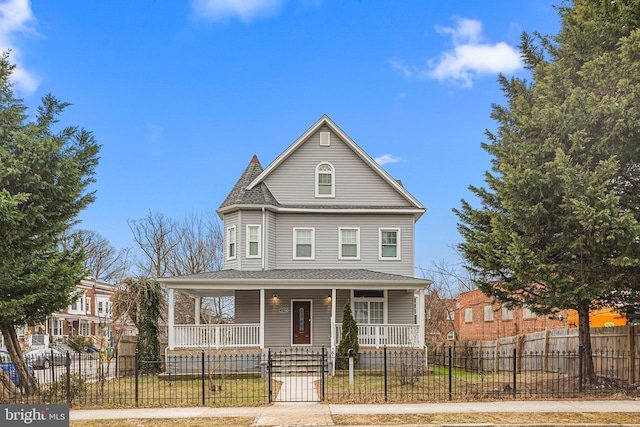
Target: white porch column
{"x": 197, "y": 310}
{"x": 333, "y": 319}
{"x": 261, "y": 318}
{"x": 421, "y": 317}
{"x": 170, "y": 323}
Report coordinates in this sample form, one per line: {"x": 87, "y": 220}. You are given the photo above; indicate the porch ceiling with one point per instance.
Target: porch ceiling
{"x": 208, "y": 283}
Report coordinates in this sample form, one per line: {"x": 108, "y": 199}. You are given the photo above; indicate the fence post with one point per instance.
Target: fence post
{"x": 203, "y": 378}
{"x": 68, "y": 379}
{"x": 450, "y": 373}
{"x": 385, "y": 373}
{"x": 322, "y": 365}
{"x": 631, "y": 333}
{"x": 515, "y": 360}
{"x": 580, "y": 357}
{"x": 135, "y": 368}
{"x": 269, "y": 375}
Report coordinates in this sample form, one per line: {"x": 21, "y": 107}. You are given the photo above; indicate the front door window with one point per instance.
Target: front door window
{"x": 301, "y": 322}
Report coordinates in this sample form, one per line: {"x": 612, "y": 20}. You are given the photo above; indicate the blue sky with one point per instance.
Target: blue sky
{"x": 182, "y": 94}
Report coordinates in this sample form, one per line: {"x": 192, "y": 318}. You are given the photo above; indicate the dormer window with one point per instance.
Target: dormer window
{"x": 325, "y": 180}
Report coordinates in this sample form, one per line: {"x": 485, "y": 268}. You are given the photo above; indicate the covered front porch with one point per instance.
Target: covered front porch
{"x": 296, "y": 308}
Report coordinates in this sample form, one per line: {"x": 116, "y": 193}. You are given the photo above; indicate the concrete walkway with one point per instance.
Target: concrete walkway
{"x": 297, "y": 388}
{"x": 317, "y": 414}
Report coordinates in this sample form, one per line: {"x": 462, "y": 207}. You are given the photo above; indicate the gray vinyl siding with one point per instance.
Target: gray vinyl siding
{"x": 249, "y": 218}
{"x": 247, "y": 307}
{"x": 355, "y": 182}
{"x": 271, "y": 247}
{"x": 278, "y": 330}
{"x": 326, "y": 241}
{"x": 230, "y": 220}
{"x": 400, "y": 307}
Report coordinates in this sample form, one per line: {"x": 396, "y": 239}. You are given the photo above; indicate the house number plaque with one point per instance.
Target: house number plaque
{"x": 283, "y": 310}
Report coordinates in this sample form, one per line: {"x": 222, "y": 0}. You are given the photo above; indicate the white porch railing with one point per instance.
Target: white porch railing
{"x": 371, "y": 335}
{"x": 217, "y": 335}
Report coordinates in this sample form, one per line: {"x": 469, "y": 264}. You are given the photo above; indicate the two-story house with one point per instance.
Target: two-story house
{"x": 88, "y": 315}
{"x": 320, "y": 227}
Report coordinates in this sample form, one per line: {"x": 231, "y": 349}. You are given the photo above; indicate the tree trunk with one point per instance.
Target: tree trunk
{"x": 27, "y": 381}
{"x": 584, "y": 338}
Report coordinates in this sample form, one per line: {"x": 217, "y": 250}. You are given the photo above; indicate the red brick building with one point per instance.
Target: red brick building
{"x": 439, "y": 318}
{"x": 478, "y": 318}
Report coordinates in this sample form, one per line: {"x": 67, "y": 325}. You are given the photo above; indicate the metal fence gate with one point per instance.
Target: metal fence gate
{"x": 297, "y": 375}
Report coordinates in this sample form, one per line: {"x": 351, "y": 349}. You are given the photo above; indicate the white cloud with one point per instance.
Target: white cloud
{"x": 16, "y": 18}
{"x": 387, "y": 158}
{"x": 469, "y": 58}
{"x": 246, "y": 10}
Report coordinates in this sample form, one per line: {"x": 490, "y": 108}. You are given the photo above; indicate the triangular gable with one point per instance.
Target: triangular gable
{"x": 326, "y": 121}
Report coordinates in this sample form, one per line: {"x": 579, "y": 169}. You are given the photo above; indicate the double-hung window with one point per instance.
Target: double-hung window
{"x": 349, "y": 243}
{"x": 368, "y": 306}
{"x": 389, "y": 243}
{"x": 231, "y": 242}
{"x": 325, "y": 180}
{"x": 303, "y": 243}
{"x": 253, "y": 241}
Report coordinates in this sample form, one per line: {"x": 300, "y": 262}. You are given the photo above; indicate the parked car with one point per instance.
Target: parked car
{"x": 7, "y": 366}
{"x": 45, "y": 357}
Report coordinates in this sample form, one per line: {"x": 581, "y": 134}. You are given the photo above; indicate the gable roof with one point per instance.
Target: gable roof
{"x": 326, "y": 121}
{"x": 257, "y": 195}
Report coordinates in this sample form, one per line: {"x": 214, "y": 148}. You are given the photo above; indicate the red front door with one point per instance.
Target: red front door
{"x": 301, "y": 322}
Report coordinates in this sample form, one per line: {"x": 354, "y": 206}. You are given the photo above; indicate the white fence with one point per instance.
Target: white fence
{"x": 374, "y": 335}
{"x": 217, "y": 335}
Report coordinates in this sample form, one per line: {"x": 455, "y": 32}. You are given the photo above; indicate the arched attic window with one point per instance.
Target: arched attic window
{"x": 325, "y": 180}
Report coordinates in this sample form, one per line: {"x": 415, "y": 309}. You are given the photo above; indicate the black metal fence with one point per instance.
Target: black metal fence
{"x": 93, "y": 380}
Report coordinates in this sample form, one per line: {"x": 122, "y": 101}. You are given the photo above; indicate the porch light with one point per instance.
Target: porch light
{"x": 275, "y": 296}
{"x": 329, "y": 297}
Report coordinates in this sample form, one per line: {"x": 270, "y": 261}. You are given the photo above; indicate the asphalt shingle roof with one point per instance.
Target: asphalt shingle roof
{"x": 258, "y": 195}
{"x": 301, "y": 275}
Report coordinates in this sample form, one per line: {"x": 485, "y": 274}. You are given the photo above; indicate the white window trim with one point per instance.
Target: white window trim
{"x": 333, "y": 180}
{"x": 507, "y": 314}
{"x": 259, "y": 227}
{"x": 235, "y": 242}
{"x": 398, "y": 244}
{"x": 468, "y": 315}
{"x": 528, "y": 314}
{"x": 340, "y": 256}
{"x": 325, "y": 139}
{"x": 385, "y": 305}
{"x": 313, "y": 243}
{"x": 488, "y": 313}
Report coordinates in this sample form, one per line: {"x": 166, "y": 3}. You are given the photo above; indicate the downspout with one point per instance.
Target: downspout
{"x": 264, "y": 237}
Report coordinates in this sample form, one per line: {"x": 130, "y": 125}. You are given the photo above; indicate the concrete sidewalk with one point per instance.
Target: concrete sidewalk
{"x": 317, "y": 414}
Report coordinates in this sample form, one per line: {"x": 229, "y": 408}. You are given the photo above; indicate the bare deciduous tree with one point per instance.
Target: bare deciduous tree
{"x": 102, "y": 260}
{"x": 449, "y": 281}
{"x": 156, "y": 236}
{"x": 179, "y": 247}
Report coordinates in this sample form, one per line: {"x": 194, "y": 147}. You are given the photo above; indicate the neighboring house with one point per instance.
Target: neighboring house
{"x": 478, "y": 318}
{"x": 322, "y": 226}
{"x": 89, "y": 314}
{"x": 440, "y": 320}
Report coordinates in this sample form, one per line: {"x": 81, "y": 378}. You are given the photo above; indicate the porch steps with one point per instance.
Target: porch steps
{"x": 298, "y": 362}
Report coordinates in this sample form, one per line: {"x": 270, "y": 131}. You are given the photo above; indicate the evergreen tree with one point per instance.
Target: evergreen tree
{"x": 44, "y": 175}
{"x": 558, "y": 226}
{"x": 349, "y": 338}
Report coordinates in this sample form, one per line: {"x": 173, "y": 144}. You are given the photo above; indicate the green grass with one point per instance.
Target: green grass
{"x": 156, "y": 391}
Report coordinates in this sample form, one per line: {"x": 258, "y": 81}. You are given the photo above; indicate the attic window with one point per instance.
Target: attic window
{"x": 325, "y": 139}
{"x": 325, "y": 180}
